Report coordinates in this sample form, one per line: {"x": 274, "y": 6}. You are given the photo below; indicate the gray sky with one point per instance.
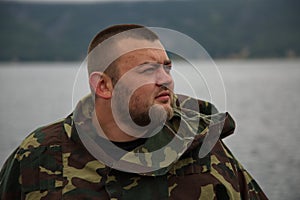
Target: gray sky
{"x": 85, "y": 1}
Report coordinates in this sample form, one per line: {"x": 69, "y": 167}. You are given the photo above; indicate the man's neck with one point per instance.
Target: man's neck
{"x": 107, "y": 128}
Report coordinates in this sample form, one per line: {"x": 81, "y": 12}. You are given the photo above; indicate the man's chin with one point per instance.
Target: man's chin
{"x": 168, "y": 109}
{"x": 170, "y": 112}
{"x": 167, "y": 106}
{"x": 157, "y": 114}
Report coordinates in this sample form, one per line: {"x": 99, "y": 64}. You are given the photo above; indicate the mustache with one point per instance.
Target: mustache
{"x": 165, "y": 89}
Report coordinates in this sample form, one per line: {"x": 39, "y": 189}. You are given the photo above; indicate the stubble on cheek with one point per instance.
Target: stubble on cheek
{"x": 139, "y": 110}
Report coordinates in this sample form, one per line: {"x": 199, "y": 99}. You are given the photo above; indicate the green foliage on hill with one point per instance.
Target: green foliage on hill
{"x": 231, "y": 28}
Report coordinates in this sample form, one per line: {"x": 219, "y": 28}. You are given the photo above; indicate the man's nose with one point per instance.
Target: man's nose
{"x": 163, "y": 77}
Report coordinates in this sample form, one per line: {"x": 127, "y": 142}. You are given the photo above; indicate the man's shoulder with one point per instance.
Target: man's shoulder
{"x": 47, "y": 135}
{"x": 192, "y": 103}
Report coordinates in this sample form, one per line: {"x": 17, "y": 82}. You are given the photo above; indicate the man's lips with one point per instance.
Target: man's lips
{"x": 163, "y": 96}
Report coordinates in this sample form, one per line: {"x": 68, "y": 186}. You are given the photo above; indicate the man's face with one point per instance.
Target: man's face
{"x": 148, "y": 71}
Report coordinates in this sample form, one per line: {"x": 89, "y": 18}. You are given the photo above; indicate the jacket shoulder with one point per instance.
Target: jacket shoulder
{"x": 202, "y": 106}
{"x": 30, "y": 167}
{"x": 44, "y": 136}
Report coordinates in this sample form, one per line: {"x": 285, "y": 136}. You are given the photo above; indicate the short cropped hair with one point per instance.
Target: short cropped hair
{"x": 141, "y": 32}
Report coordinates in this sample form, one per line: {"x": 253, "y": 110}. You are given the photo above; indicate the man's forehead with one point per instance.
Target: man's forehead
{"x": 126, "y": 45}
{"x": 145, "y": 55}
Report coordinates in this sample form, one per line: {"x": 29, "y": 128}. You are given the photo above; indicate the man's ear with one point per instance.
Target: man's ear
{"x": 101, "y": 85}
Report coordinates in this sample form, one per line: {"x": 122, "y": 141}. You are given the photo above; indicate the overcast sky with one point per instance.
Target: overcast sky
{"x": 83, "y": 1}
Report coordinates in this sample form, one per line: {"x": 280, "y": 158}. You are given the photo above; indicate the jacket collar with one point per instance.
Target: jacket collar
{"x": 186, "y": 131}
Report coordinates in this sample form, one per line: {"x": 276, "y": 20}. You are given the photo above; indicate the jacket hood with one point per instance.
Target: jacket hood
{"x": 187, "y": 130}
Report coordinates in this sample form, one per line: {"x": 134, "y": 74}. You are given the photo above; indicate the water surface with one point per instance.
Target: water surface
{"x": 262, "y": 96}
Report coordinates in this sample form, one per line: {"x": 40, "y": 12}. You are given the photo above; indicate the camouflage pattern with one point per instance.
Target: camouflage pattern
{"x": 52, "y": 163}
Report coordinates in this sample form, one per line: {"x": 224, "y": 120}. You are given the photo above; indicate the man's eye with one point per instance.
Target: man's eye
{"x": 149, "y": 70}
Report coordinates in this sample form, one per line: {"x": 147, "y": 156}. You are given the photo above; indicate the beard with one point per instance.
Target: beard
{"x": 143, "y": 112}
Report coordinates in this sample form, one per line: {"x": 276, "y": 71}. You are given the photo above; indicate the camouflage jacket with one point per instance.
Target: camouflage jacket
{"x": 54, "y": 163}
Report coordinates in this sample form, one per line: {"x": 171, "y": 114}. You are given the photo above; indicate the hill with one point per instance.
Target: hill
{"x": 61, "y": 32}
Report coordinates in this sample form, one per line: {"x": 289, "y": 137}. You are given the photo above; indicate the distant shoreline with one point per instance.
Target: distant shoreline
{"x": 225, "y": 29}
{"x": 38, "y": 63}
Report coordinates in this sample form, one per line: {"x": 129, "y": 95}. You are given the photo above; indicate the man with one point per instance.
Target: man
{"x": 132, "y": 137}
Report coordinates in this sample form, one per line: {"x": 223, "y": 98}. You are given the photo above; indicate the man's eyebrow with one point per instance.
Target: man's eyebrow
{"x": 166, "y": 62}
